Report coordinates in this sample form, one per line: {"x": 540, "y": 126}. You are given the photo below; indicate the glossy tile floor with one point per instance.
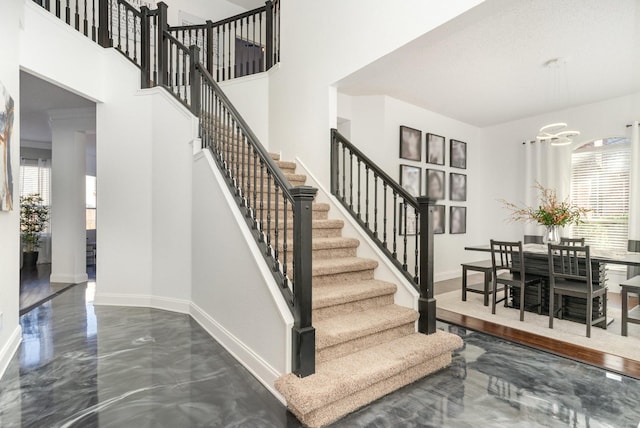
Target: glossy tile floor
{"x": 81, "y": 366}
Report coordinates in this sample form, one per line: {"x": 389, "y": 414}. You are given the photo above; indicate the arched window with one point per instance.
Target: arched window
{"x": 600, "y": 182}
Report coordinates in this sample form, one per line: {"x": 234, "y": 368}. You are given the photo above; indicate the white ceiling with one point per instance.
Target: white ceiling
{"x": 486, "y": 66}
{"x": 248, "y": 4}
{"x": 37, "y": 97}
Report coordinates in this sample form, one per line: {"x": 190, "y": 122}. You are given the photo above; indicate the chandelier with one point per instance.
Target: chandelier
{"x": 557, "y": 133}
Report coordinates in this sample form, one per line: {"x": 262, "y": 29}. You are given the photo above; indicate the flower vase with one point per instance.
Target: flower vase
{"x": 552, "y": 235}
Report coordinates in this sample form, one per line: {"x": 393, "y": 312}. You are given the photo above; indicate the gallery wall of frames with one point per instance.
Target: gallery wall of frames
{"x": 424, "y": 158}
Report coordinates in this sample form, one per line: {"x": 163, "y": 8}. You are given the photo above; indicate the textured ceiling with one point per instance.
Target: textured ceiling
{"x": 486, "y": 66}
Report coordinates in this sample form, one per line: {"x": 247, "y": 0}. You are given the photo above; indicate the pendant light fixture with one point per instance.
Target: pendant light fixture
{"x": 557, "y": 133}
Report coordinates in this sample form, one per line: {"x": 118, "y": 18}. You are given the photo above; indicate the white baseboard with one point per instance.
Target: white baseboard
{"x": 69, "y": 278}
{"x": 258, "y": 367}
{"x": 145, "y": 301}
{"x": 9, "y": 349}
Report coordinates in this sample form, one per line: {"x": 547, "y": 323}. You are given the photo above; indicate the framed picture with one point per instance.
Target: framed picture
{"x": 435, "y": 149}
{"x": 457, "y": 220}
{"x": 411, "y": 179}
{"x": 7, "y": 108}
{"x": 438, "y": 219}
{"x": 407, "y": 221}
{"x": 435, "y": 184}
{"x": 410, "y": 143}
{"x": 458, "y": 154}
{"x": 458, "y": 187}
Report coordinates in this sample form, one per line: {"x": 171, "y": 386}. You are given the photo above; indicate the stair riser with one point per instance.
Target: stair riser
{"x": 334, "y": 253}
{"x": 351, "y": 307}
{"x": 361, "y": 343}
{"x": 343, "y": 277}
{"x": 315, "y": 233}
{"x": 326, "y": 415}
{"x": 317, "y": 215}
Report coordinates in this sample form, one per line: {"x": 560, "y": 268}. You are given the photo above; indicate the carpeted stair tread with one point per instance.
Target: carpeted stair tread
{"x": 341, "y": 329}
{"x": 331, "y": 295}
{"x": 346, "y": 264}
{"x": 339, "y": 378}
{"x": 329, "y": 243}
{"x": 285, "y": 164}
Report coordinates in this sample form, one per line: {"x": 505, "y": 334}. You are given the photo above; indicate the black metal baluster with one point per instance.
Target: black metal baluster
{"x": 126, "y": 31}
{"x": 262, "y": 60}
{"x": 284, "y": 241}
{"x": 255, "y": 187}
{"x": 404, "y": 243}
{"x": 85, "y": 21}
{"x": 119, "y": 29}
{"x": 242, "y": 173}
{"x": 344, "y": 174}
{"x": 269, "y": 213}
{"x": 262, "y": 201}
{"x": 229, "y": 54}
{"x": 359, "y": 212}
{"x": 350, "y": 180}
{"x": 217, "y": 54}
{"x": 384, "y": 214}
{"x": 375, "y": 205}
{"x": 366, "y": 199}
{"x": 240, "y": 62}
{"x": 395, "y": 225}
{"x": 276, "y": 252}
{"x": 184, "y": 74}
{"x": 93, "y": 19}
{"x": 236, "y": 141}
{"x": 58, "y": 8}
{"x": 155, "y": 54}
{"x": 171, "y": 64}
{"x": 135, "y": 39}
{"x": 416, "y": 277}
{"x": 253, "y": 39}
{"x": 77, "y": 16}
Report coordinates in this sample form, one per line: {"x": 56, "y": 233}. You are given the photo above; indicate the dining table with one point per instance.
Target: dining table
{"x": 536, "y": 263}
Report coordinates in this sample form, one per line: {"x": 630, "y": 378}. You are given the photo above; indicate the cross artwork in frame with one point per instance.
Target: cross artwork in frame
{"x": 435, "y": 184}
{"x": 458, "y": 154}
{"x": 457, "y": 187}
{"x": 411, "y": 179}
{"x": 435, "y": 149}
{"x": 410, "y": 144}
{"x": 408, "y": 224}
{"x": 457, "y": 220}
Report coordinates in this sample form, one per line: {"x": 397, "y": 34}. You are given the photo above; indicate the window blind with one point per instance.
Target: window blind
{"x": 600, "y": 182}
{"x": 35, "y": 177}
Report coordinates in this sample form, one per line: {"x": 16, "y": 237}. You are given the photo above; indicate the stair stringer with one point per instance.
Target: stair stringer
{"x": 406, "y": 294}
{"x": 248, "y": 316}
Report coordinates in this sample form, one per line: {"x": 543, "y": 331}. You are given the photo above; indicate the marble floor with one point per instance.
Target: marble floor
{"x": 81, "y": 366}
{"x": 35, "y": 287}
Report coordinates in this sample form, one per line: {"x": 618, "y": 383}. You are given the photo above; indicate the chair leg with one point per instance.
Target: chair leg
{"x": 604, "y": 308}
{"x": 522, "y": 288}
{"x": 464, "y": 284}
{"x": 551, "y": 307}
{"x": 539, "y": 298}
{"x": 487, "y": 282}
{"x": 589, "y": 314}
{"x": 493, "y": 297}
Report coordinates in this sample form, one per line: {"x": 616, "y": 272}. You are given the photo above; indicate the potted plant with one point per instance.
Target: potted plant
{"x": 33, "y": 220}
{"x": 550, "y": 212}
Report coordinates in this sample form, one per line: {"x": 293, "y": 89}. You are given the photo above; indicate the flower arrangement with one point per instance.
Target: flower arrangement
{"x": 550, "y": 212}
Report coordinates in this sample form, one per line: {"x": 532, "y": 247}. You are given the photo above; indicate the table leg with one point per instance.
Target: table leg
{"x": 464, "y": 284}
{"x": 488, "y": 277}
{"x": 625, "y": 310}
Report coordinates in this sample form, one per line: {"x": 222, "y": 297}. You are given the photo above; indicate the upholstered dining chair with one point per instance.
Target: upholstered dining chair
{"x": 507, "y": 261}
{"x": 570, "y": 275}
{"x": 572, "y": 241}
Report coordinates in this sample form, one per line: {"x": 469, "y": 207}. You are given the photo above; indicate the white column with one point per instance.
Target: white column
{"x": 68, "y": 199}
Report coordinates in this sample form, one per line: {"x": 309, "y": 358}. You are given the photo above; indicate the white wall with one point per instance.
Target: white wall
{"x": 234, "y": 295}
{"x": 10, "y": 21}
{"x": 320, "y": 45}
{"x": 179, "y": 10}
{"x": 250, "y": 96}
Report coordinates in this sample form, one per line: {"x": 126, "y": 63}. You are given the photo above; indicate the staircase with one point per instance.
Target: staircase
{"x": 366, "y": 346}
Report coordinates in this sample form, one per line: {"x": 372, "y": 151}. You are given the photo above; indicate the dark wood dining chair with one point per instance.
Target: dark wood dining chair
{"x": 570, "y": 275}
{"x": 572, "y": 241}
{"x": 507, "y": 261}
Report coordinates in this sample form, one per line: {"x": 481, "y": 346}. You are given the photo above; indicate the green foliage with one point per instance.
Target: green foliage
{"x": 33, "y": 220}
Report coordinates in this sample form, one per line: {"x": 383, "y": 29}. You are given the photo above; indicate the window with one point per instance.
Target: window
{"x": 35, "y": 177}
{"x": 600, "y": 182}
{"x": 91, "y": 202}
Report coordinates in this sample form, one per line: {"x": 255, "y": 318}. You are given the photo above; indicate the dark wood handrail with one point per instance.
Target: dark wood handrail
{"x": 253, "y": 139}
{"x": 376, "y": 169}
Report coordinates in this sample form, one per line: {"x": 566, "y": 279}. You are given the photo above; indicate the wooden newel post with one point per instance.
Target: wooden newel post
{"x": 145, "y": 48}
{"x": 103, "y": 23}
{"x": 209, "y": 59}
{"x": 303, "y": 334}
{"x": 426, "y": 303}
{"x": 269, "y": 35}
{"x": 196, "y": 84}
{"x": 161, "y": 46}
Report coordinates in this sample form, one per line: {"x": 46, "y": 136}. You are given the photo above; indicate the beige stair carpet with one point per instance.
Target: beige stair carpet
{"x": 366, "y": 346}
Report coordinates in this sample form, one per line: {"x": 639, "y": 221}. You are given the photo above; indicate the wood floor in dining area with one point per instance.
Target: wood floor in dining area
{"x": 604, "y": 360}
